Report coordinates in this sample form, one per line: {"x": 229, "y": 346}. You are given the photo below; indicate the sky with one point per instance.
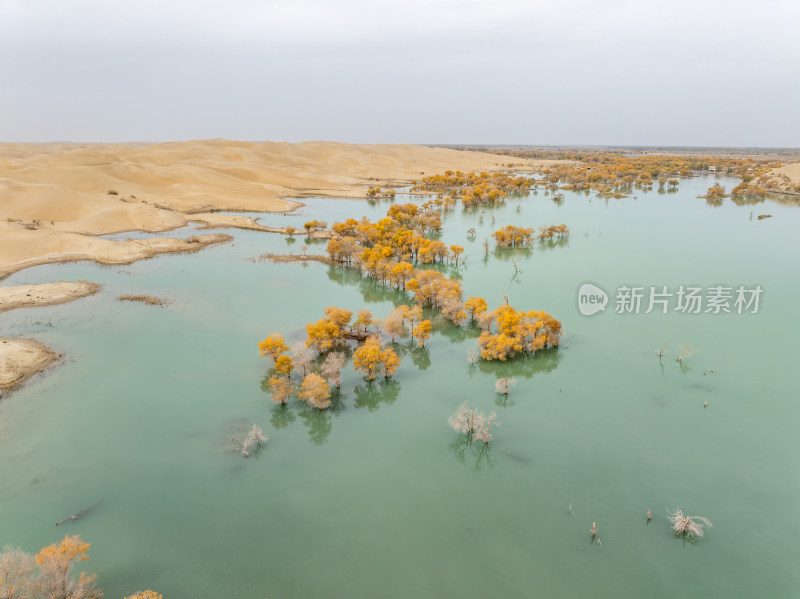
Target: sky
{"x": 563, "y": 72}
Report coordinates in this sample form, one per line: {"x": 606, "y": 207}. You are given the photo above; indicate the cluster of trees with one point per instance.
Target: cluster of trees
{"x": 518, "y": 332}
{"x": 513, "y": 236}
{"x": 389, "y": 251}
{"x": 318, "y": 361}
{"x": 377, "y": 192}
{"x": 716, "y": 193}
{"x": 748, "y": 190}
{"x": 474, "y": 189}
{"x": 612, "y": 174}
{"x": 315, "y": 225}
{"x": 50, "y": 574}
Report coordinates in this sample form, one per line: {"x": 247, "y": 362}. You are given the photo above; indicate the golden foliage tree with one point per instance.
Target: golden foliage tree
{"x": 370, "y": 358}
{"x": 273, "y": 346}
{"x": 367, "y": 358}
{"x": 315, "y": 390}
{"x": 422, "y": 332}
{"x": 284, "y": 365}
{"x": 517, "y": 332}
{"x": 475, "y": 306}
{"x": 390, "y": 361}
{"x": 323, "y": 334}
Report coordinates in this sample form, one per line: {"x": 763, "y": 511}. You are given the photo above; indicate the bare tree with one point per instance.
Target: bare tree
{"x": 253, "y": 439}
{"x": 661, "y": 351}
{"x": 302, "y": 356}
{"x": 472, "y": 355}
{"x": 473, "y": 424}
{"x": 689, "y": 526}
{"x": 482, "y": 427}
{"x": 686, "y": 351}
{"x": 16, "y": 574}
{"x": 332, "y": 367}
{"x": 504, "y": 385}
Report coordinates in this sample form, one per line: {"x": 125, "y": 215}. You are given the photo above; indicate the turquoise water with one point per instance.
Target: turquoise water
{"x": 378, "y": 496}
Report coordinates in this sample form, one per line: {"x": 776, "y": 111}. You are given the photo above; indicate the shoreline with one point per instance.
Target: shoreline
{"x": 44, "y": 294}
{"x": 145, "y": 251}
{"x": 21, "y": 359}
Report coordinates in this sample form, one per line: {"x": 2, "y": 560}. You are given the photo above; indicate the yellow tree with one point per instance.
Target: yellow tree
{"x": 315, "y": 390}
{"x": 413, "y": 315}
{"x": 339, "y": 316}
{"x": 401, "y": 273}
{"x": 422, "y": 332}
{"x": 363, "y": 320}
{"x": 390, "y": 360}
{"x": 456, "y": 251}
{"x": 475, "y": 306}
{"x": 367, "y": 358}
{"x": 148, "y": 594}
{"x": 322, "y": 334}
{"x": 273, "y": 346}
{"x": 284, "y": 365}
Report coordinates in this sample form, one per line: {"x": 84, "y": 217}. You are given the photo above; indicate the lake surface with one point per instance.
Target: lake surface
{"x": 379, "y": 497}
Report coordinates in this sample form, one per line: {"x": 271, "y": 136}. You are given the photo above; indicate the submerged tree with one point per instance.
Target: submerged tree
{"x": 688, "y": 526}
{"x": 332, "y": 367}
{"x": 273, "y": 346}
{"x": 315, "y": 390}
{"x": 16, "y": 574}
{"x": 473, "y": 424}
{"x": 56, "y": 575}
{"x": 422, "y": 332}
{"x": 281, "y": 388}
{"x": 504, "y": 385}
{"x": 371, "y": 358}
{"x": 253, "y": 438}
{"x": 302, "y": 357}
{"x": 686, "y": 351}
{"x": 148, "y": 594}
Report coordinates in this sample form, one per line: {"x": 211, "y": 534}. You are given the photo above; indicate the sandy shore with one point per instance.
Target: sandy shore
{"x": 785, "y": 179}
{"x": 46, "y": 294}
{"x": 22, "y": 358}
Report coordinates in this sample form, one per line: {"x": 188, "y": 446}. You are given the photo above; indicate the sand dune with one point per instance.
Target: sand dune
{"x": 52, "y": 196}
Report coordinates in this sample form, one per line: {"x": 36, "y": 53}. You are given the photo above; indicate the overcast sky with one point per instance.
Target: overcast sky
{"x": 621, "y": 72}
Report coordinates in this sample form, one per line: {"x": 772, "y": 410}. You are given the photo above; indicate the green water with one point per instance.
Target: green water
{"x": 378, "y": 497}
